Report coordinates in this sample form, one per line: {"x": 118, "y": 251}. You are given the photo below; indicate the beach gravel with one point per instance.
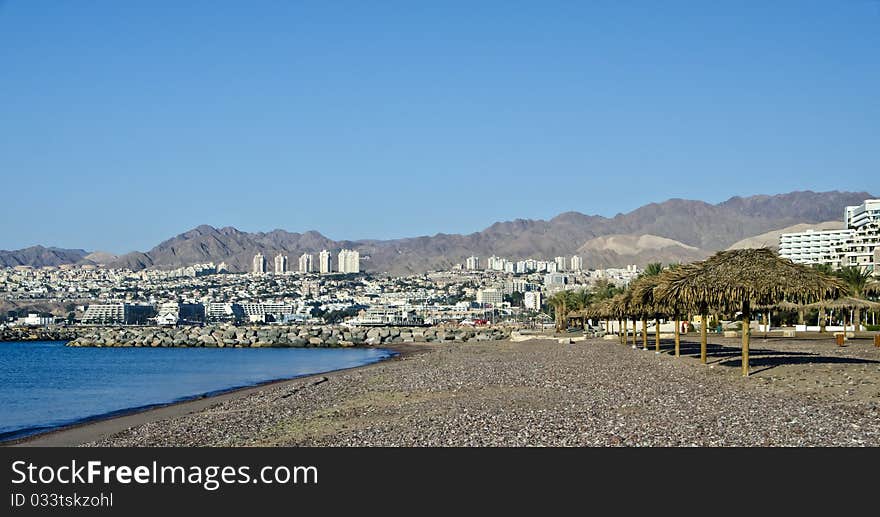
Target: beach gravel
{"x": 541, "y": 393}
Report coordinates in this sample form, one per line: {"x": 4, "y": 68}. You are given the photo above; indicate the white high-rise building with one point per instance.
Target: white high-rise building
{"x": 560, "y": 263}
{"x": 472, "y": 263}
{"x": 349, "y": 261}
{"x": 281, "y": 264}
{"x": 577, "y": 263}
{"x": 259, "y": 264}
{"x": 325, "y": 262}
{"x": 305, "y": 263}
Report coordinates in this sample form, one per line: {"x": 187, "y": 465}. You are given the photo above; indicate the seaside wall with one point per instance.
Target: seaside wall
{"x": 281, "y": 336}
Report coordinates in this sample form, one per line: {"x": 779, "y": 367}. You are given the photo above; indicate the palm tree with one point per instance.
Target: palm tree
{"x": 653, "y": 269}
{"x": 857, "y": 281}
{"x": 561, "y": 303}
{"x": 603, "y": 289}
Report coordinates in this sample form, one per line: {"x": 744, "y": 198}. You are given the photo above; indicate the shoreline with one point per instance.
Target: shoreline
{"x": 537, "y": 392}
{"x": 99, "y": 426}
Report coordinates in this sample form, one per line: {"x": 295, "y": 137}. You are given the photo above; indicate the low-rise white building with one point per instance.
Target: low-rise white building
{"x": 532, "y": 300}
{"x": 490, "y": 296}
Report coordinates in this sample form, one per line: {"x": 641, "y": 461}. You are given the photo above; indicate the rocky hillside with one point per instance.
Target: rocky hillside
{"x": 677, "y": 230}
{"x": 39, "y": 256}
{"x": 697, "y": 229}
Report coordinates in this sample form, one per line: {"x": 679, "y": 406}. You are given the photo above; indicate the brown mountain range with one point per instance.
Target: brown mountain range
{"x": 677, "y": 230}
{"x": 694, "y": 230}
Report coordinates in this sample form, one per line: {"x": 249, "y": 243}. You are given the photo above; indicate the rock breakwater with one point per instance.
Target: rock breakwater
{"x": 281, "y": 336}
{"x": 38, "y": 334}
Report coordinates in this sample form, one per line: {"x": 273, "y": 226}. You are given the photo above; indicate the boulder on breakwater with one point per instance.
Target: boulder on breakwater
{"x": 38, "y": 333}
{"x": 324, "y": 336}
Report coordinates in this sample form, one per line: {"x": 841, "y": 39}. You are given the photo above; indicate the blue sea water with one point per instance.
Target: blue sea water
{"x": 45, "y": 385}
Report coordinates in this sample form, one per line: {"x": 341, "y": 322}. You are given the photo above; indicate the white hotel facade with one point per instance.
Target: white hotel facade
{"x": 857, "y": 245}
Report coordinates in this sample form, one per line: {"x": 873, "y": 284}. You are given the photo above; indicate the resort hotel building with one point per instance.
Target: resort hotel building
{"x": 856, "y": 245}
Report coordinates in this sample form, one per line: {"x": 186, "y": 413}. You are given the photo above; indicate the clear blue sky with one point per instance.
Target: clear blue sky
{"x": 124, "y": 123}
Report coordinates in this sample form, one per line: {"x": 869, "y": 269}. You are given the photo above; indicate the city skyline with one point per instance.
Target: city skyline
{"x": 551, "y": 107}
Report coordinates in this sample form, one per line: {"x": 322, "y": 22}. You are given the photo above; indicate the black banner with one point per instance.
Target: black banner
{"x": 111, "y": 481}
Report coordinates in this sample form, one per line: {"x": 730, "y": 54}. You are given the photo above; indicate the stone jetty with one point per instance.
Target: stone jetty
{"x": 39, "y": 334}
{"x": 281, "y": 336}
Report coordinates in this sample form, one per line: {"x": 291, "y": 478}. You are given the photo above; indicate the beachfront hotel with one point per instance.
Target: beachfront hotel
{"x": 856, "y": 245}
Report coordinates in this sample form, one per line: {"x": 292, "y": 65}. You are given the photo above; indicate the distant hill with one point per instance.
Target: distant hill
{"x": 771, "y": 239}
{"x": 39, "y": 256}
{"x": 697, "y": 229}
{"x": 617, "y": 250}
{"x": 677, "y": 230}
{"x": 100, "y": 257}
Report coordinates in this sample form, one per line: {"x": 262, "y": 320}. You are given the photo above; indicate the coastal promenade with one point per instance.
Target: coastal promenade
{"x": 540, "y": 392}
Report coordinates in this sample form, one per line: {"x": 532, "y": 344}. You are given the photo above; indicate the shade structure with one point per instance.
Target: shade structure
{"x": 846, "y": 302}
{"x": 641, "y": 292}
{"x": 644, "y": 291}
{"x": 737, "y": 280}
{"x": 784, "y": 305}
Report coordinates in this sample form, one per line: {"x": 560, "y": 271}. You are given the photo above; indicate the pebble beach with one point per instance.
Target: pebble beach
{"x": 544, "y": 393}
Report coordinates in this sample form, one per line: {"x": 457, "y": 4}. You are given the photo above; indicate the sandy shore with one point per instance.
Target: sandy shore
{"x": 539, "y": 392}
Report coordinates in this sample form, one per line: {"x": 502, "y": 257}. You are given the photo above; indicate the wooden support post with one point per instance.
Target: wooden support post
{"x": 704, "y": 322}
{"x": 745, "y": 338}
{"x": 625, "y": 337}
{"x": 677, "y": 336}
{"x": 644, "y": 333}
{"x": 657, "y": 335}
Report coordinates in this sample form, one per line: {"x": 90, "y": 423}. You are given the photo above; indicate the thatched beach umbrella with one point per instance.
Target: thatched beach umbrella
{"x": 647, "y": 290}
{"x": 846, "y": 303}
{"x": 679, "y": 306}
{"x": 618, "y": 306}
{"x": 737, "y": 280}
{"x": 767, "y": 310}
{"x": 602, "y": 310}
{"x": 642, "y": 292}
